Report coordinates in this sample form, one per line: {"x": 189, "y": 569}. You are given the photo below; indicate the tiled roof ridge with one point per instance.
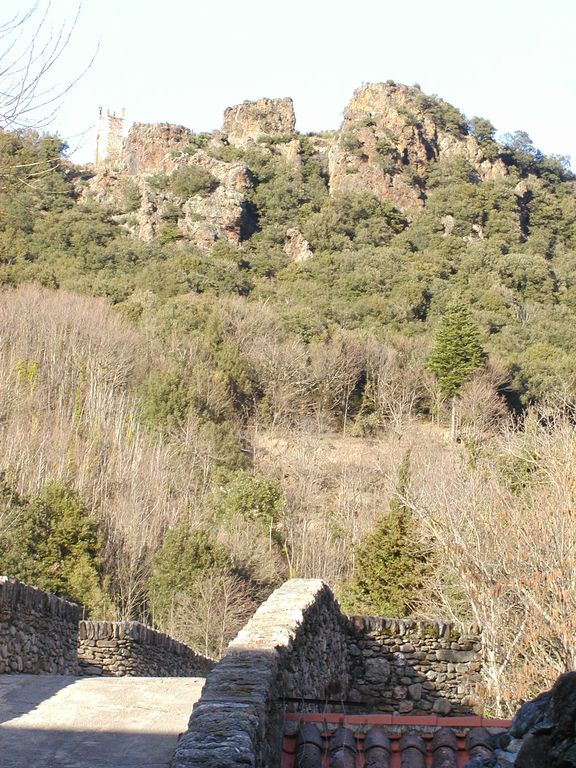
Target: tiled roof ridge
{"x": 449, "y": 742}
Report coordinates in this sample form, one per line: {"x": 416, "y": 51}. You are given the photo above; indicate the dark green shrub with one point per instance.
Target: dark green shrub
{"x": 55, "y": 545}
{"x": 192, "y": 180}
{"x": 132, "y": 198}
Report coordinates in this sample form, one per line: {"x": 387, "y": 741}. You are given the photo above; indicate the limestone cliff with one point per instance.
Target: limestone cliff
{"x": 244, "y": 123}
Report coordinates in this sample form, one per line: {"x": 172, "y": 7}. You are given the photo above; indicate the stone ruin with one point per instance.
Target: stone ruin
{"x": 110, "y": 134}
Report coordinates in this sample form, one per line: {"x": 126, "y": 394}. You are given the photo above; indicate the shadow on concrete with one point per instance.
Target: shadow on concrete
{"x": 22, "y": 693}
{"x": 59, "y": 748}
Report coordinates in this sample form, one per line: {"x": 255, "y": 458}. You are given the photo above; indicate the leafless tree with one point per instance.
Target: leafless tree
{"x": 210, "y": 617}
{"x": 396, "y": 379}
{"x": 480, "y": 410}
{"x": 68, "y": 366}
{"x": 30, "y": 50}
{"x": 505, "y": 534}
{"x": 336, "y": 365}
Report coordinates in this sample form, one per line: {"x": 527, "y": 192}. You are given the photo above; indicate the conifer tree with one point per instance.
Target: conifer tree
{"x": 457, "y": 353}
{"x": 391, "y": 563}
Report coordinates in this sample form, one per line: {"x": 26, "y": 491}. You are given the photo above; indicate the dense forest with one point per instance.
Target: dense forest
{"x": 184, "y": 427}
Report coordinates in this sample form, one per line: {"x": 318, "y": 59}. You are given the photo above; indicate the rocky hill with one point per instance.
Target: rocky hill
{"x": 390, "y": 136}
{"x": 390, "y": 139}
{"x": 231, "y": 357}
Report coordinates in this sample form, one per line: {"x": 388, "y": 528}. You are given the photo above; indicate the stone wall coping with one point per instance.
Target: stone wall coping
{"x": 420, "y": 627}
{"x": 286, "y": 607}
{"x": 131, "y": 630}
{"x": 17, "y": 594}
{"x": 240, "y": 701}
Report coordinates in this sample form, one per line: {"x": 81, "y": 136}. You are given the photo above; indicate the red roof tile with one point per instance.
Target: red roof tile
{"x": 316, "y": 740}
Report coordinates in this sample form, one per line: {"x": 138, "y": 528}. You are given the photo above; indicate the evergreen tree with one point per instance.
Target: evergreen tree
{"x": 457, "y": 352}
{"x": 391, "y": 563}
{"x": 54, "y": 544}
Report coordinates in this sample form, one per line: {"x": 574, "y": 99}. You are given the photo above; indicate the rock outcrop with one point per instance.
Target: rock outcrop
{"x": 391, "y": 138}
{"x": 542, "y": 733}
{"x": 383, "y": 137}
{"x": 296, "y": 247}
{"x": 245, "y": 123}
{"x": 153, "y": 148}
{"x": 390, "y": 135}
{"x": 138, "y": 188}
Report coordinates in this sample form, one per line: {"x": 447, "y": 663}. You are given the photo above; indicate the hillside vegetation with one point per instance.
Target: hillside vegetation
{"x": 185, "y": 424}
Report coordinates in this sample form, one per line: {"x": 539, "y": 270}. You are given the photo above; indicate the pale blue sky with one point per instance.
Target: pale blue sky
{"x": 184, "y": 61}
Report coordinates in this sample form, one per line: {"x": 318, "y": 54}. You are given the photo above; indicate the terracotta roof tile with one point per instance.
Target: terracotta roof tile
{"x": 313, "y": 740}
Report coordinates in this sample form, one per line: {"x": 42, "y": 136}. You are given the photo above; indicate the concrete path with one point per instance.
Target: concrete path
{"x": 85, "y": 722}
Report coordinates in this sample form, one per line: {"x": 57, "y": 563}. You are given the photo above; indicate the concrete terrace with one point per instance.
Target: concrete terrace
{"x": 61, "y": 721}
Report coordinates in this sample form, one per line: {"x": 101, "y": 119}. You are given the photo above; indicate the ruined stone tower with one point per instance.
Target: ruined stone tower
{"x": 110, "y": 136}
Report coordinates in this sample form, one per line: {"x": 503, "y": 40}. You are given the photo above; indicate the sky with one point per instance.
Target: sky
{"x": 184, "y": 61}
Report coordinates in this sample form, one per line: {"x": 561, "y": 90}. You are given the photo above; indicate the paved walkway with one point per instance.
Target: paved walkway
{"x": 84, "y": 722}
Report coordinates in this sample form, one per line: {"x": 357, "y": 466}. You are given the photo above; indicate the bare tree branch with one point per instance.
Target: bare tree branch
{"x": 30, "y": 49}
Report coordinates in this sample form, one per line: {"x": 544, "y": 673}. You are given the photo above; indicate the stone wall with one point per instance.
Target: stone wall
{"x": 300, "y": 653}
{"x": 414, "y": 667}
{"x": 129, "y": 648}
{"x": 293, "y": 648}
{"x": 38, "y": 631}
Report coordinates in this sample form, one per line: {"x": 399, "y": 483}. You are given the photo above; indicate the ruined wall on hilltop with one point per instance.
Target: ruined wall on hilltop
{"x": 110, "y": 133}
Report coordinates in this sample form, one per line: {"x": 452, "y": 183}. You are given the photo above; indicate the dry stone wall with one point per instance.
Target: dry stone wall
{"x": 300, "y": 653}
{"x": 293, "y": 648}
{"x": 41, "y": 634}
{"x": 129, "y": 648}
{"x": 38, "y": 631}
{"x": 414, "y": 667}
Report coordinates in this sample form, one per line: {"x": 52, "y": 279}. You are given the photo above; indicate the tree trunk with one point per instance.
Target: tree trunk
{"x": 453, "y": 421}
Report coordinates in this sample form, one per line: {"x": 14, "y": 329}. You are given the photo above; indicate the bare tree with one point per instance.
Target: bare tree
{"x": 336, "y": 368}
{"x": 505, "y": 535}
{"x": 208, "y": 619}
{"x": 479, "y": 409}
{"x": 30, "y": 51}
{"x": 67, "y": 413}
{"x": 396, "y": 379}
